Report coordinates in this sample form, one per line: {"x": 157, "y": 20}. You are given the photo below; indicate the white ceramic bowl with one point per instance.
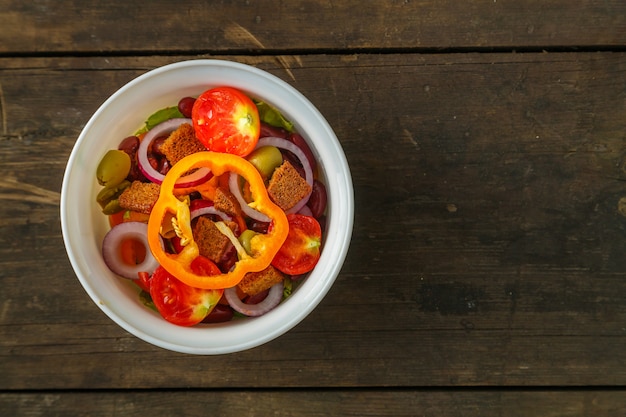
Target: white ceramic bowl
{"x": 84, "y": 226}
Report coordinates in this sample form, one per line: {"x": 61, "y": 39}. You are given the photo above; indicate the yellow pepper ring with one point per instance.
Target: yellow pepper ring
{"x": 264, "y": 246}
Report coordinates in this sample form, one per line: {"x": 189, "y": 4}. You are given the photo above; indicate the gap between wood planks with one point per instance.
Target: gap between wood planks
{"x": 259, "y": 50}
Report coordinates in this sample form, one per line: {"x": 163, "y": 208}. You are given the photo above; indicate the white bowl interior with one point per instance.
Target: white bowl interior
{"x": 84, "y": 226}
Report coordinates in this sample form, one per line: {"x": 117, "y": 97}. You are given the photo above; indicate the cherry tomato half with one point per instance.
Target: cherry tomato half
{"x": 301, "y": 250}
{"x": 226, "y": 120}
{"x": 179, "y": 303}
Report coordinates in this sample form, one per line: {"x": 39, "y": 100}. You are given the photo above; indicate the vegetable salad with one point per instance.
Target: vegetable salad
{"x": 215, "y": 208}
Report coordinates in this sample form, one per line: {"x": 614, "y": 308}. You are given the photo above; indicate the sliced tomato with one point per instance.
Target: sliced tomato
{"x": 301, "y": 250}
{"x": 143, "y": 281}
{"x": 127, "y": 216}
{"x": 226, "y": 120}
{"x": 175, "y": 241}
{"x": 204, "y": 266}
{"x": 134, "y": 216}
{"x": 179, "y": 303}
{"x": 116, "y": 218}
{"x": 132, "y": 251}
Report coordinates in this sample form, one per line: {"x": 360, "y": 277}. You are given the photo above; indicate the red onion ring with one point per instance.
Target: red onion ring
{"x": 273, "y": 298}
{"x": 111, "y": 254}
{"x": 306, "y": 211}
{"x": 209, "y": 209}
{"x": 294, "y": 149}
{"x": 233, "y": 184}
{"x": 197, "y": 177}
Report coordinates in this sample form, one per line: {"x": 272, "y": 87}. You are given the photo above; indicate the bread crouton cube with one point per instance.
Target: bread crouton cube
{"x": 225, "y": 201}
{"x": 140, "y": 197}
{"x": 212, "y": 243}
{"x": 181, "y": 143}
{"x": 254, "y": 282}
{"x": 287, "y": 187}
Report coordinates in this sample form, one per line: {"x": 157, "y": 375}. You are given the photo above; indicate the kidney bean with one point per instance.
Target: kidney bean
{"x": 318, "y": 200}
{"x": 164, "y": 165}
{"x": 129, "y": 145}
{"x": 157, "y": 144}
{"x": 294, "y": 161}
{"x": 153, "y": 160}
{"x": 185, "y": 106}
{"x": 135, "y": 172}
{"x": 322, "y": 222}
{"x": 299, "y": 141}
{"x": 229, "y": 258}
{"x": 220, "y": 314}
{"x": 277, "y": 132}
{"x": 257, "y": 298}
{"x": 257, "y": 226}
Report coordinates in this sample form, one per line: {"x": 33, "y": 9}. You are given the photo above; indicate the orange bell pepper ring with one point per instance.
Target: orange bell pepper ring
{"x": 170, "y": 208}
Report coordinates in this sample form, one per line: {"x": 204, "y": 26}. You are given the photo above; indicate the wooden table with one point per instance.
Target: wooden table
{"x": 487, "y": 270}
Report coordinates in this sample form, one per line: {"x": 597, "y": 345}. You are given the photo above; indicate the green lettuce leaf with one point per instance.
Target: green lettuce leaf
{"x": 159, "y": 117}
{"x": 272, "y": 116}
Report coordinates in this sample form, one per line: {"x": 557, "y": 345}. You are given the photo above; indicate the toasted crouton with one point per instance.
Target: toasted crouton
{"x": 212, "y": 243}
{"x": 140, "y": 197}
{"x": 287, "y": 187}
{"x": 254, "y": 282}
{"x": 181, "y": 143}
{"x": 225, "y": 201}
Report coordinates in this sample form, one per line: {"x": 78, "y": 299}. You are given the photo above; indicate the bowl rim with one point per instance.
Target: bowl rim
{"x": 293, "y": 310}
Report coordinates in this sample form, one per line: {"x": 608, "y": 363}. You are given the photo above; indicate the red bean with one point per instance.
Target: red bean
{"x": 135, "y": 173}
{"x": 257, "y": 226}
{"x": 318, "y": 200}
{"x": 185, "y": 106}
{"x": 129, "y": 145}
{"x": 157, "y": 145}
{"x": 164, "y": 165}
{"x": 154, "y": 161}
{"x": 299, "y": 141}
{"x": 294, "y": 161}
{"x": 220, "y": 313}
{"x": 322, "y": 222}
{"x": 277, "y": 132}
{"x": 229, "y": 258}
{"x": 257, "y": 298}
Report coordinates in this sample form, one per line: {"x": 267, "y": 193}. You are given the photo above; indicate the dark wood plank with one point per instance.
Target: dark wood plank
{"x": 319, "y": 403}
{"x": 488, "y": 246}
{"x": 118, "y": 27}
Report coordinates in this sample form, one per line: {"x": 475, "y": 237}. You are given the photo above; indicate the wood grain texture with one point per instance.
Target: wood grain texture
{"x": 488, "y": 247}
{"x": 396, "y": 403}
{"x": 120, "y": 27}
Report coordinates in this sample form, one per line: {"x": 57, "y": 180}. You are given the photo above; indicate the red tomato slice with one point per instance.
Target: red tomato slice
{"x": 175, "y": 241}
{"x": 127, "y": 216}
{"x": 117, "y": 218}
{"x": 204, "y": 266}
{"x": 143, "y": 281}
{"x": 226, "y": 120}
{"x": 179, "y": 303}
{"x": 132, "y": 251}
{"x": 301, "y": 250}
